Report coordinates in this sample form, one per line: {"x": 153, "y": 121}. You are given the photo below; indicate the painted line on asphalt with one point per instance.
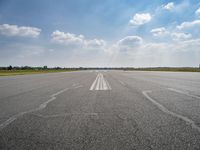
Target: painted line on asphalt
{"x": 105, "y": 85}
{"x": 165, "y": 110}
{"x": 184, "y": 93}
{"x": 94, "y": 83}
{"x": 100, "y": 83}
{"x": 122, "y": 82}
{"x": 108, "y": 85}
{"x": 41, "y": 106}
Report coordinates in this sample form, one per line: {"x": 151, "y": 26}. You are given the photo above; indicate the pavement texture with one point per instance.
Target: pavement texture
{"x": 100, "y": 110}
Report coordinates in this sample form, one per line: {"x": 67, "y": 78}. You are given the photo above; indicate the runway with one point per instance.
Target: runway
{"x": 101, "y": 110}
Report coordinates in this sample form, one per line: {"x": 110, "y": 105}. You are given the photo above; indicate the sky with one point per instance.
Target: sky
{"x": 104, "y": 33}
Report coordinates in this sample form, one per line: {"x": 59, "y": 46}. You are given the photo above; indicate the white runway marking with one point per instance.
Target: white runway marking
{"x": 165, "y": 110}
{"x": 42, "y": 106}
{"x": 122, "y": 82}
{"x": 100, "y": 83}
{"x": 181, "y": 92}
{"x": 92, "y": 87}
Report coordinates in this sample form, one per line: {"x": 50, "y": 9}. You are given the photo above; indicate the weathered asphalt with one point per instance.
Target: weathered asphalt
{"x": 140, "y": 111}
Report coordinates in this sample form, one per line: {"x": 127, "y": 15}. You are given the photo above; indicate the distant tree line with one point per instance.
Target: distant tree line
{"x": 35, "y": 68}
{"x": 60, "y": 68}
{"x": 195, "y": 69}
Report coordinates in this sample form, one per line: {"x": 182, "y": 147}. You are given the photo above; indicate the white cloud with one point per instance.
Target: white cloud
{"x": 180, "y": 36}
{"x": 126, "y": 45}
{"x": 130, "y": 41}
{"x": 159, "y": 31}
{"x": 197, "y": 12}
{"x": 186, "y": 25}
{"x": 189, "y": 45}
{"x": 174, "y": 53}
{"x": 140, "y": 19}
{"x": 95, "y": 43}
{"x": 168, "y": 6}
{"x": 14, "y": 30}
{"x": 67, "y": 38}
{"x": 129, "y": 51}
{"x": 177, "y": 8}
{"x": 76, "y": 40}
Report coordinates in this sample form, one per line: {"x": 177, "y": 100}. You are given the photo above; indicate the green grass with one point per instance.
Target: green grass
{"x": 26, "y": 72}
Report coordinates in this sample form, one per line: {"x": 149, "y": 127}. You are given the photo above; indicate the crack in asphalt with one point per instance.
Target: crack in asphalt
{"x": 41, "y": 106}
{"x": 167, "y": 111}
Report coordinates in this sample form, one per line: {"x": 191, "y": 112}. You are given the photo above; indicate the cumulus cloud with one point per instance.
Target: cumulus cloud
{"x": 177, "y": 36}
{"x": 181, "y": 36}
{"x": 187, "y": 25}
{"x": 159, "y": 31}
{"x": 23, "y": 31}
{"x": 128, "y": 44}
{"x": 67, "y": 38}
{"x": 197, "y": 12}
{"x": 95, "y": 43}
{"x": 130, "y": 41}
{"x": 140, "y": 19}
{"x": 76, "y": 40}
{"x": 168, "y": 6}
{"x": 143, "y": 53}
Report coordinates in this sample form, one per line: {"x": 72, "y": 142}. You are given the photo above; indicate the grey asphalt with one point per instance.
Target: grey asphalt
{"x": 140, "y": 111}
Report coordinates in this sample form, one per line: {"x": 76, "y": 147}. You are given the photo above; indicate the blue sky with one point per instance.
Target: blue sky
{"x": 100, "y": 33}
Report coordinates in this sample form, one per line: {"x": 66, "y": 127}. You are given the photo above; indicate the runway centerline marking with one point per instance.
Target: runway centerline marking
{"x": 100, "y": 83}
{"x": 40, "y": 107}
{"x": 167, "y": 111}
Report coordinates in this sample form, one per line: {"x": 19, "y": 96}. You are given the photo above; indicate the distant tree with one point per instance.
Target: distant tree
{"x": 57, "y": 68}
{"x": 10, "y": 67}
{"x": 45, "y": 67}
{"x": 26, "y": 68}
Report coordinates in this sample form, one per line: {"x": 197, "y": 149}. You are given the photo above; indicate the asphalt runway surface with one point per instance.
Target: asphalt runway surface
{"x": 100, "y": 110}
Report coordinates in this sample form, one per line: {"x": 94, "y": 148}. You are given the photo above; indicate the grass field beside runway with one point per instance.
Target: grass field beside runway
{"x": 26, "y": 72}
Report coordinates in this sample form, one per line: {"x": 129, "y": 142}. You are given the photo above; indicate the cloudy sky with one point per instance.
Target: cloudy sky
{"x": 104, "y": 33}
